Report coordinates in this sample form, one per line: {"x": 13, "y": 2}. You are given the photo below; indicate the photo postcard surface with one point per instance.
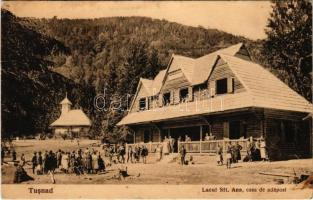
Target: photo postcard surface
{"x": 156, "y": 100}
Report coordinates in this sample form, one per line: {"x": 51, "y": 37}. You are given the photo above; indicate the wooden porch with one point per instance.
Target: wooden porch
{"x": 197, "y": 146}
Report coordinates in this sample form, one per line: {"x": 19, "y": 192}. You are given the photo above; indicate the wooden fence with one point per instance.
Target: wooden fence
{"x": 197, "y": 146}
{"x": 211, "y": 146}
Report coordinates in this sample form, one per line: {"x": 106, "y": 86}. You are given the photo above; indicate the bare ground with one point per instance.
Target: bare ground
{"x": 203, "y": 171}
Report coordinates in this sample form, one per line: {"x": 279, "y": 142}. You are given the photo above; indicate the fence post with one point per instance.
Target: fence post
{"x": 201, "y": 129}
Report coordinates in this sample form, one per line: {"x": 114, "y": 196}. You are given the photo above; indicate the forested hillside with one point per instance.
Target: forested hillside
{"x": 111, "y": 54}
{"x": 30, "y": 91}
{"x": 98, "y": 44}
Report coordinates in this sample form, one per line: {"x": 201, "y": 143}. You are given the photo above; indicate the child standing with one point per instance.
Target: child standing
{"x": 228, "y": 155}
{"x": 34, "y": 162}
{"x": 219, "y": 155}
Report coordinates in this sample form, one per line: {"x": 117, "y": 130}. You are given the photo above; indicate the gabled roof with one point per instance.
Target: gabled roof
{"x": 72, "y": 118}
{"x": 151, "y": 87}
{"x": 186, "y": 64}
{"x": 197, "y": 70}
{"x": 158, "y": 81}
{"x": 147, "y": 84}
{"x": 265, "y": 88}
{"x": 204, "y": 64}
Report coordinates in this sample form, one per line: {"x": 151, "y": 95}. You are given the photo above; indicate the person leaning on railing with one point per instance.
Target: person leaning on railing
{"x": 187, "y": 138}
{"x": 209, "y": 137}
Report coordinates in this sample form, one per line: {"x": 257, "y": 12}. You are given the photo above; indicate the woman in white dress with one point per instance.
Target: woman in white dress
{"x": 95, "y": 165}
{"x": 166, "y": 146}
{"x": 262, "y": 149}
{"x": 65, "y": 162}
{"x": 159, "y": 152}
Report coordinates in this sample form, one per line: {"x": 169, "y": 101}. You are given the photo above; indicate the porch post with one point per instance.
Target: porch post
{"x": 200, "y": 139}
{"x": 310, "y": 137}
{"x": 159, "y": 135}
{"x": 169, "y": 132}
{"x": 134, "y": 137}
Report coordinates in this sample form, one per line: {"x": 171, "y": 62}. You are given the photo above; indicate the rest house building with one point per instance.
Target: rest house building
{"x": 226, "y": 94}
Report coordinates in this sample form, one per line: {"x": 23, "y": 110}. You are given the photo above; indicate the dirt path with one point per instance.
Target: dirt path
{"x": 204, "y": 171}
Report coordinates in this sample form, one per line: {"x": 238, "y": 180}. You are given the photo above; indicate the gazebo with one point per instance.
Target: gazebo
{"x": 72, "y": 123}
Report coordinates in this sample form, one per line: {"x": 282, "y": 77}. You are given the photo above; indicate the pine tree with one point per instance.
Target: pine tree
{"x": 289, "y": 44}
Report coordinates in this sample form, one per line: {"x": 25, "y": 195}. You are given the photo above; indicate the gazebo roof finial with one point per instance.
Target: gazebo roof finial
{"x": 65, "y": 100}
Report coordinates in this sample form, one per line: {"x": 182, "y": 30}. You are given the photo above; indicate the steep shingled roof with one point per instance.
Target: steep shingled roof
{"x": 147, "y": 84}
{"x": 151, "y": 87}
{"x": 184, "y": 63}
{"x": 157, "y": 82}
{"x": 72, "y": 118}
{"x": 263, "y": 90}
{"x": 204, "y": 64}
{"x": 266, "y": 89}
{"x": 197, "y": 70}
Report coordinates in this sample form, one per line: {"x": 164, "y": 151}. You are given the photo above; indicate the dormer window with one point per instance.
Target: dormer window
{"x": 221, "y": 86}
{"x": 225, "y": 85}
{"x": 142, "y": 104}
{"x": 183, "y": 95}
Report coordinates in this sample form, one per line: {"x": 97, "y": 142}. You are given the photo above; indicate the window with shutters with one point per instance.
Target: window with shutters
{"x": 183, "y": 95}
{"x": 167, "y": 98}
{"x": 142, "y": 104}
{"x": 221, "y": 86}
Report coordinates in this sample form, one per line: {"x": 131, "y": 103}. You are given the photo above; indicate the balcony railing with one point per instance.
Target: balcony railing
{"x": 197, "y": 146}
{"x": 211, "y": 145}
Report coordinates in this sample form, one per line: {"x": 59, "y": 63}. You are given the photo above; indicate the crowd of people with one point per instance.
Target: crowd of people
{"x": 90, "y": 161}
{"x": 256, "y": 151}
{"x": 78, "y": 162}
{"x": 169, "y": 144}
{"x": 137, "y": 153}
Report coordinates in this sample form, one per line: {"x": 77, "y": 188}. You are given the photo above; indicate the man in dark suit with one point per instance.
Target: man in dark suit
{"x": 182, "y": 153}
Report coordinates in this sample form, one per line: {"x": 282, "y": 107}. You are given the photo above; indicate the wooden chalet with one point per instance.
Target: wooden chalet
{"x": 224, "y": 93}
